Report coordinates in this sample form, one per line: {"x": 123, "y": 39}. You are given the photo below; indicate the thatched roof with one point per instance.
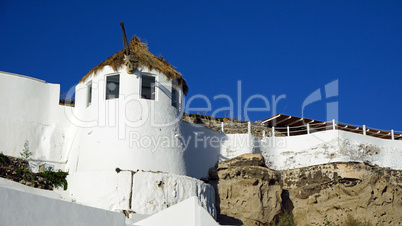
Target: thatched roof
{"x": 139, "y": 51}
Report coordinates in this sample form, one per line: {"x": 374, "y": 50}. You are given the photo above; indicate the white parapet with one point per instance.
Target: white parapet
{"x": 292, "y": 152}
{"x": 238, "y": 144}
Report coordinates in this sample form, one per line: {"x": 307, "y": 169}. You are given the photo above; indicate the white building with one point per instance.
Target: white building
{"x": 126, "y": 147}
{"x": 122, "y": 124}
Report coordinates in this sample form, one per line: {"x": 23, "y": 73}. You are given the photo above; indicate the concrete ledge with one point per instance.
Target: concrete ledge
{"x": 20, "y": 208}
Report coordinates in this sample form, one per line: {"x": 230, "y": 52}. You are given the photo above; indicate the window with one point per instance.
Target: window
{"x": 112, "y": 87}
{"x": 148, "y": 87}
{"x": 175, "y": 94}
{"x": 89, "y": 94}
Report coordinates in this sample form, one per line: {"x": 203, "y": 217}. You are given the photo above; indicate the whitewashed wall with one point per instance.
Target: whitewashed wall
{"x": 105, "y": 189}
{"x": 30, "y": 110}
{"x": 91, "y": 142}
{"x": 205, "y": 147}
{"x": 238, "y": 144}
{"x": 283, "y": 153}
{"x": 131, "y": 133}
{"x": 149, "y": 192}
{"x": 202, "y": 149}
{"x": 128, "y": 133}
{"x": 154, "y": 192}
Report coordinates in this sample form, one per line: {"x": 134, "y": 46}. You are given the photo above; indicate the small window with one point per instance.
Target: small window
{"x": 112, "y": 87}
{"x": 148, "y": 87}
{"x": 175, "y": 94}
{"x": 89, "y": 94}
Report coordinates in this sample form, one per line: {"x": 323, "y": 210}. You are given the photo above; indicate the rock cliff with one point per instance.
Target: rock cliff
{"x": 249, "y": 193}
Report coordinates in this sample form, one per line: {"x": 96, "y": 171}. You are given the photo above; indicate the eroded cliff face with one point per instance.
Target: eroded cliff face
{"x": 371, "y": 199}
{"x": 249, "y": 193}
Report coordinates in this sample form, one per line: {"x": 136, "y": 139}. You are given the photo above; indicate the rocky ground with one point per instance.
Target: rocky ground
{"x": 331, "y": 194}
{"x": 16, "y": 169}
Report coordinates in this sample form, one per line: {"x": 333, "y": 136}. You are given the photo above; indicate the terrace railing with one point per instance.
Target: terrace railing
{"x": 309, "y": 128}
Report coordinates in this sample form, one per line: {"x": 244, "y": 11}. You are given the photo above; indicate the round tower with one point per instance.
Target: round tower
{"x": 128, "y": 113}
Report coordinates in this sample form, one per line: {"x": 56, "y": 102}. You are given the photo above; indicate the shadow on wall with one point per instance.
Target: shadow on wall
{"x": 256, "y": 145}
{"x": 203, "y": 148}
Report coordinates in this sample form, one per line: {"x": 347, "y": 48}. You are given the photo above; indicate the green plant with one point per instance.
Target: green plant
{"x": 286, "y": 219}
{"x": 28, "y": 176}
{"x": 4, "y": 160}
{"x": 197, "y": 119}
{"x": 26, "y": 154}
{"x": 56, "y": 178}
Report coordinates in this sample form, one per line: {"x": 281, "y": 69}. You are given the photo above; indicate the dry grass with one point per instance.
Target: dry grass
{"x": 142, "y": 57}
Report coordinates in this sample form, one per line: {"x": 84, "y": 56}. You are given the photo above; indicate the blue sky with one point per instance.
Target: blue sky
{"x": 276, "y": 48}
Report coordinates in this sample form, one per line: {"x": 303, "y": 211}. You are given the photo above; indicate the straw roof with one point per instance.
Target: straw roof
{"x": 139, "y": 51}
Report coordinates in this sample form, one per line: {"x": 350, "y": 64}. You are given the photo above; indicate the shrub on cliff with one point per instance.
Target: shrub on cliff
{"x": 286, "y": 219}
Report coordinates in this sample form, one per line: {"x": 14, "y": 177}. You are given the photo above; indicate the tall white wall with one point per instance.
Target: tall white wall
{"x": 283, "y": 153}
{"x": 30, "y": 110}
{"x": 202, "y": 149}
{"x": 205, "y": 147}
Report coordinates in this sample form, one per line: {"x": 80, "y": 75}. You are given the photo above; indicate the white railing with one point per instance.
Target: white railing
{"x": 335, "y": 125}
{"x": 307, "y": 128}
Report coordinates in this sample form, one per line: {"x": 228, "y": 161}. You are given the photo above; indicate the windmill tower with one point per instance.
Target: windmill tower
{"x": 128, "y": 111}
